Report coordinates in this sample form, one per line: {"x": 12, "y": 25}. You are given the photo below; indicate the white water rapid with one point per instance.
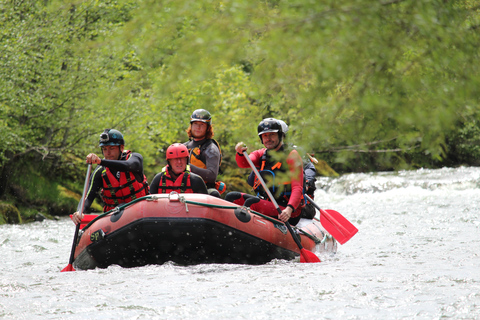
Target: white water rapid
{"x": 416, "y": 256}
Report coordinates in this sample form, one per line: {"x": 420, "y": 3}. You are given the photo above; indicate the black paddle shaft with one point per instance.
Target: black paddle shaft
{"x": 82, "y": 206}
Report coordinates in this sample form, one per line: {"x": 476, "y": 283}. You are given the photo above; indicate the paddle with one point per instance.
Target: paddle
{"x": 70, "y": 267}
{"x": 337, "y": 225}
{"x": 305, "y": 255}
{"x": 87, "y": 218}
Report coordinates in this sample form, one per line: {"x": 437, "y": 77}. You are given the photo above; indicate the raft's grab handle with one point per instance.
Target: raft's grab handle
{"x": 172, "y": 196}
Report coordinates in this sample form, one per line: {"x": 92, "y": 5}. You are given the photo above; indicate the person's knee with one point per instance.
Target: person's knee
{"x": 250, "y": 201}
{"x": 214, "y": 192}
{"x": 232, "y": 196}
{"x": 308, "y": 212}
{"x": 294, "y": 221}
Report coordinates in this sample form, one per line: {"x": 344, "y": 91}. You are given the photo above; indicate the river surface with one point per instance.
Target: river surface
{"x": 416, "y": 256}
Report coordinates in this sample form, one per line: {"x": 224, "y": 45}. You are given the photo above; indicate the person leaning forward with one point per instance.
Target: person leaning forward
{"x": 205, "y": 154}
{"x": 119, "y": 175}
{"x": 176, "y": 176}
{"x": 276, "y": 157}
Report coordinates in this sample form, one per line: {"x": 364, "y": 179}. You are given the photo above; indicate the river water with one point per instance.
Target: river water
{"x": 416, "y": 256}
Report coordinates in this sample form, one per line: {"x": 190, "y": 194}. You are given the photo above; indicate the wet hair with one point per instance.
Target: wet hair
{"x": 208, "y": 135}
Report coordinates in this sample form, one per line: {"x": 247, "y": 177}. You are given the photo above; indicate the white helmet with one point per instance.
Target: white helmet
{"x": 284, "y": 126}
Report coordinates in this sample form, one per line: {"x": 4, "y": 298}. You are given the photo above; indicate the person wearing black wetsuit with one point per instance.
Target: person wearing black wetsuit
{"x": 205, "y": 155}
{"x": 119, "y": 176}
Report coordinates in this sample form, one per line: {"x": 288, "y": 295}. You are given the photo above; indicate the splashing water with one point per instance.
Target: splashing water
{"x": 416, "y": 256}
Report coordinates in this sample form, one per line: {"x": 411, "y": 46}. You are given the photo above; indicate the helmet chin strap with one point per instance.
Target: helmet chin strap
{"x": 280, "y": 143}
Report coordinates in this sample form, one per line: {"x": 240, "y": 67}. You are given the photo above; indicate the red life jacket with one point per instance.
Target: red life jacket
{"x": 181, "y": 185}
{"x": 281, "y": 191}
{"x": 123, "y": 190}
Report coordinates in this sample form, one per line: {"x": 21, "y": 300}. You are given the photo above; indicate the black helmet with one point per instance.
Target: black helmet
{"x": 269, "y": 125}
{"x": 201, "y": 115}
{"x": 111, "y": 137}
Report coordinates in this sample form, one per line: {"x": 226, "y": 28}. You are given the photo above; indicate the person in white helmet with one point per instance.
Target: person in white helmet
{"x": 281, "y": 167}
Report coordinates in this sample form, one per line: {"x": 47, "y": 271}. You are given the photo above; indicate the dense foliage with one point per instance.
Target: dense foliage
{"x": 366, "y": 85}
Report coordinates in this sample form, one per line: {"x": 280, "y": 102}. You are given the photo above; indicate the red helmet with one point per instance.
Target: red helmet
{"x": 177, "y": 150}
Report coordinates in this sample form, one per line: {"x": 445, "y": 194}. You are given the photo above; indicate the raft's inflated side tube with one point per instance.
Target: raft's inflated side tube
{"x": 183, "y": 241}
{"x": 197, "y": 229}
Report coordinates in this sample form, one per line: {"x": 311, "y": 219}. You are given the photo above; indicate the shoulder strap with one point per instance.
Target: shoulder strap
{"x": 162, "y": 183}
{"x": 183, "y": 187}
{"x": 219, "y": 149}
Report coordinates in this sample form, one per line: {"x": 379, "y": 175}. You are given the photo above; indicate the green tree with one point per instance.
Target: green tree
{"x": 50, "y": 70}
{"x": 370, "y": 84}
{"x": 367, "y": 85}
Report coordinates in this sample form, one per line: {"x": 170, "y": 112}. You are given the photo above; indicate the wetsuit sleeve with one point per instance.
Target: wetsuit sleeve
{"x": 251, "y": 179}
{"x": 212, "y": 159}
{"x": 133, "y": 164}
{"x": 95, "y": 184}
{"x": 155, "y": 183}
{"x": 255, "y": 156}
{"x": 295, "y": 166}
{"x": 198, "y": 185}
{"x": 309, "y": 171}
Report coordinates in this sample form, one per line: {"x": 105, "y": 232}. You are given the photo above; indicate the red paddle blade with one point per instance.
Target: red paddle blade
{"x": 308, "y": 256}
{"x": 68, "y": 268}
{"x": 340, "y": 228}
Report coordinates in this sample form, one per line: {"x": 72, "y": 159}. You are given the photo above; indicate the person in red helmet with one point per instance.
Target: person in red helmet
{"x": 119, "y": 175}
{"x": 176, "y": 175}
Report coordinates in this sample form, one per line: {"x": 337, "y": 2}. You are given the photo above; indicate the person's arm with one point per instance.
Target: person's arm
{"x": 251, "y": 179}
{"x": 255, "y": 156}
{"x": 197, "y": 183}
{"x": 212, "y": 156}
{"x": 155, "y": 183}
{"x": 310, "y": 171}
{"x": 133, "y": 164}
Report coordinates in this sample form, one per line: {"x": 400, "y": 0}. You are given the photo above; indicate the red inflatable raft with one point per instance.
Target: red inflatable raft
{"x": 191, "y": 229}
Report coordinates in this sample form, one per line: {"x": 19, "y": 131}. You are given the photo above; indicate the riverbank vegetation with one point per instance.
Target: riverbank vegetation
{"x": 364, "y": 85}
